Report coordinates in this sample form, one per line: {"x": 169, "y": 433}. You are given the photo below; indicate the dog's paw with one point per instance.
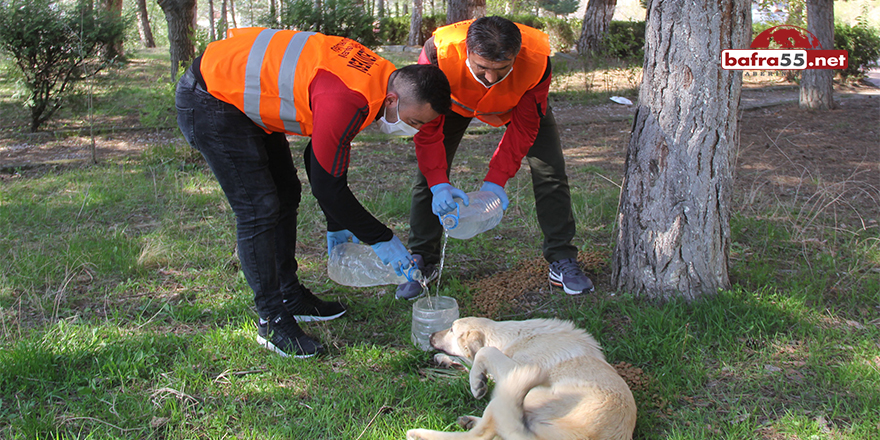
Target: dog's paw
{"x": 447, "y": 361}
{"x": 467, "y": 422}
{"x": 416, "y": 434}
{"x": 479, "y": 384}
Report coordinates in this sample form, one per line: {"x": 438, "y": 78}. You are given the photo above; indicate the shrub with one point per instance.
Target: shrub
{"x": 528, "y": 20}
{"x": 625, "y": 40}
{"x": 430, "y": 23}
{"x": 394, "y": 30}
{"x": 560, "y": 7}
{"x": 863, "y": 44}
{"x": 54, "y": 44}
{"x": 344, "y": 18}
{"x": 563, "y": 33}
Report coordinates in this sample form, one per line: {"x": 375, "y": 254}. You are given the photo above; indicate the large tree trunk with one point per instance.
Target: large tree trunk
{"x": 144, "y": 28}
{"x": 115, "y": 49}
{"x": 181, "y": 18}
{"x": 476, "y": 8}
{"x": 456, "y": 10}
{"x": 460, "y": 10}
{"x": 817, "y": 85}
{"x": 597, "y": 18}
{"x": 674, "y": 214}
{"x": 415, "y": 25}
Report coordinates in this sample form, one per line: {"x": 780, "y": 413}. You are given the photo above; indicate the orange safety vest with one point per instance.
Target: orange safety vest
{"x": 266, "y": 74}
{"x": 495, "y": 104}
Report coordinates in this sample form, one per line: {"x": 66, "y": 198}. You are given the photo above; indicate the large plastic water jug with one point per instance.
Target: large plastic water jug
{"x": 357, "y": 265}
{"x": 431, "y": 314}
{"x": 482, "y": 213}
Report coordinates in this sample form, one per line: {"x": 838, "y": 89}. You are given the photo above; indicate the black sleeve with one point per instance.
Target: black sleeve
{"x": 340, "y": 206}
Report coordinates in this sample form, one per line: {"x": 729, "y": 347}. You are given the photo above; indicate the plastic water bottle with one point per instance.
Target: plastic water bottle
{"x": 482, "y": 213}
{"x": 431, "y": 314}
{"x": 357, "y": 265}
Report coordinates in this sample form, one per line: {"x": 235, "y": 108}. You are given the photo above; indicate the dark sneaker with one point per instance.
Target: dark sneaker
{"x": 306, "y": 307}
{"x": 568, "y": 275}
{"x": 413, "y": 289}
{"x": 283, "y": 336}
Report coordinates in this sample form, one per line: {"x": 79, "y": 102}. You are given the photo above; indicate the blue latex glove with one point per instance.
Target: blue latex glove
{"x": 394, "y": 253}
{"x": 443, "y": 202}
{"x": 498, "y": 190}
{"x": 338, "y": 237}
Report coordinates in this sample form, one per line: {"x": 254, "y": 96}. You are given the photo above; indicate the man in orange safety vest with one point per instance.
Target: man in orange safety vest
{"x": 238, "y": 102}
{"x": 500, "y": 73}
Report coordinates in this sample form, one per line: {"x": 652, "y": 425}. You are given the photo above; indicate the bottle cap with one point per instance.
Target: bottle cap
{"x": 450, "y": 220}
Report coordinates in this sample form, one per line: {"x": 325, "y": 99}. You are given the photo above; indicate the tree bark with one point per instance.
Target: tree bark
{"x": 597, "y": 18}
{"x": 674, "y": 214}
{"x": 144, "y": 29}
{"x": 116, "y": 48}
{"x": 476, "y": 8}
{"x": 457, "y": 10}
{"x": 211, "y": 20}
{"x": 222, "y": 24}
{"x": 415, "y": 25}
{"x": 232, "y": 13}
{"x": 180, "y": 16}
{"x": 817, "y": 85}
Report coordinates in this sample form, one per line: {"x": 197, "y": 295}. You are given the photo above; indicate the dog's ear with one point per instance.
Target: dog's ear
{"x": 471, "y": 342}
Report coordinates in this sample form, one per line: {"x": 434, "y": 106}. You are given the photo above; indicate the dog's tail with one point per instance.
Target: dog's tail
{"x": 507, "y": 400}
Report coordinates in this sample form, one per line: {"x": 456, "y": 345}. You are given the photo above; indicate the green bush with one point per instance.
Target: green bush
{"x": 394, "y": 30}
{"x": 430, "y": 23}
{"x": 863, "y": 44}
{"x": 625, "y": 40}
{"x": 344, "y": 18}
{"x": 563, "y": 33}
{"x": 560, "y": 7}
{"x": 55, "y": 44}
{"x": 528, "y": 20}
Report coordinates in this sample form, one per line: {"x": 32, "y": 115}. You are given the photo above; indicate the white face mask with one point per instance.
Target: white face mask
{"x": 398, "y": 128}
{"x": 467, "y": 62}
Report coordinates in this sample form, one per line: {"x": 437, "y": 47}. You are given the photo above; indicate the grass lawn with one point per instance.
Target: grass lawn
{"x": 124, "y": 315}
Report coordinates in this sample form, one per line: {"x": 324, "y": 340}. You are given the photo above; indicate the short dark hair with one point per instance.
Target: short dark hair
{"x": 494, "y": 38}
{"x": 423, "y": 83}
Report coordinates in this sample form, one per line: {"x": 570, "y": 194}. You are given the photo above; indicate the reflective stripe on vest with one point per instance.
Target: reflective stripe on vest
{"x": 286, "y": 73}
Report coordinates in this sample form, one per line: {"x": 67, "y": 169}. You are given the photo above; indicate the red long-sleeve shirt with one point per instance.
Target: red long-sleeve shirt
{"x": 338, "y": 114}
{"x": 515, "y": 143}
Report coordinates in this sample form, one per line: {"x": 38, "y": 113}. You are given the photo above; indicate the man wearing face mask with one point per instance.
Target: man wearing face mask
{"x": 236, "y": 105}
{"x": 499, "y": 72}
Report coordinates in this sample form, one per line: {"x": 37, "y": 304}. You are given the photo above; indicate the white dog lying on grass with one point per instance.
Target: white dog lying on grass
{"x": 551, "y": 382}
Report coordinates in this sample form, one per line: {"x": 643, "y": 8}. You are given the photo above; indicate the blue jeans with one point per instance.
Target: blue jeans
{"x": 256, "y": 171}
